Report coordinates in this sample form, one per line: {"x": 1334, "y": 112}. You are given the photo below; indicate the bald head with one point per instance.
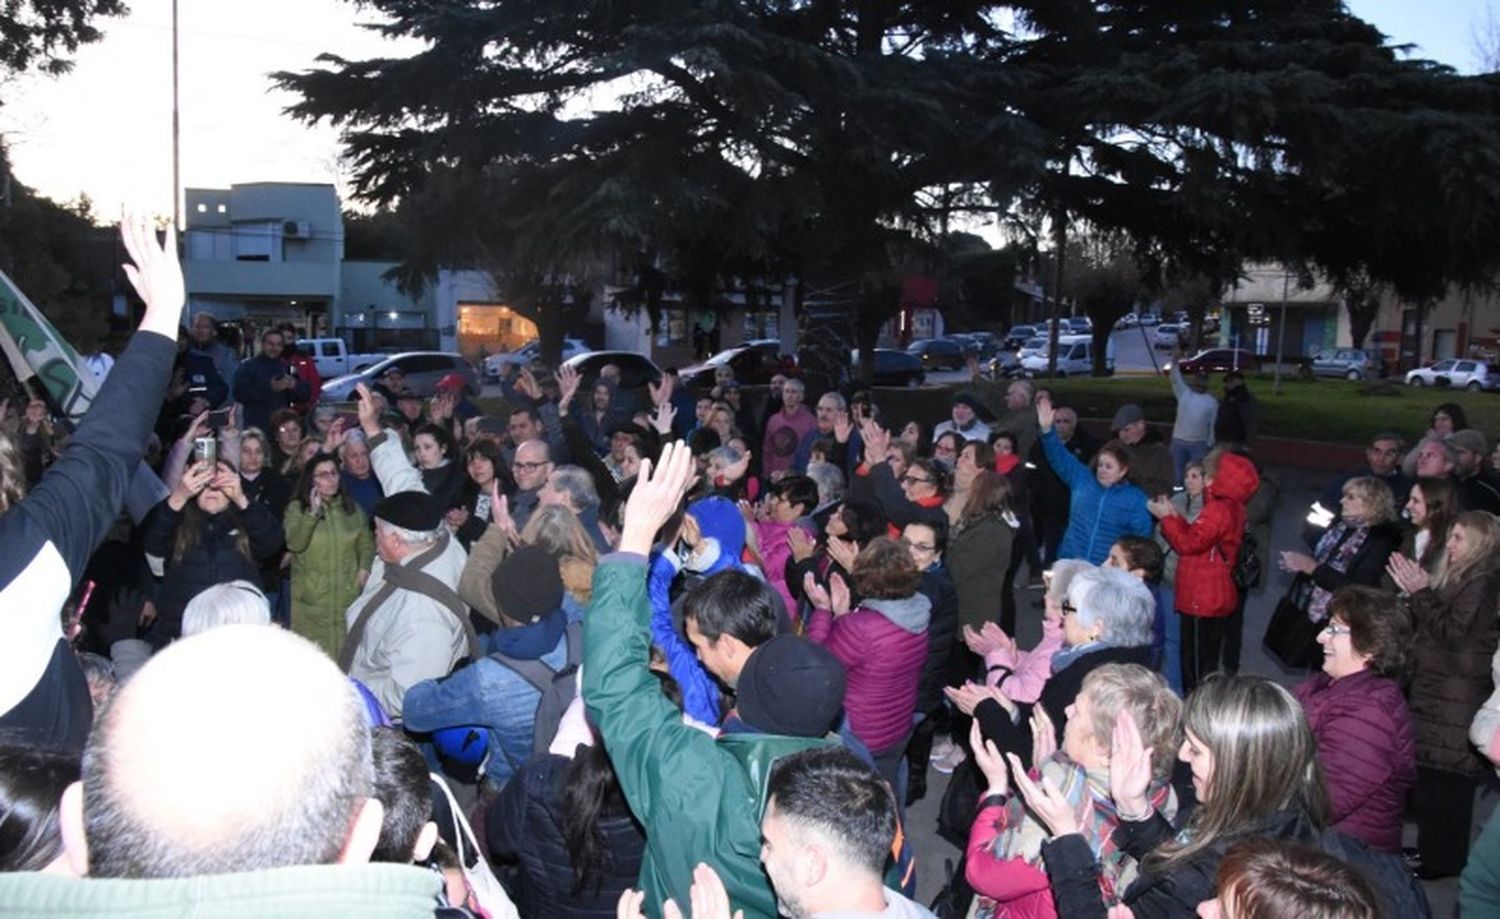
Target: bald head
{"x": 532, "y": 465}
{"x": 239, "y": 749}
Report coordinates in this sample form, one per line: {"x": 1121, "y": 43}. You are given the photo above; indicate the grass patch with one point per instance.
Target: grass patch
{"x": 1329, "y": 411}
{"x": 1332, "y": 411}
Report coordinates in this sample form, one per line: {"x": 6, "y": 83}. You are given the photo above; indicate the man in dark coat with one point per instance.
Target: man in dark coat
{"x": 264, "y": 384}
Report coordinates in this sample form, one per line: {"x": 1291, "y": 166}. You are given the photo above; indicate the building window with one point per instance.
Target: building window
{"x": 257, "y": 242}
{"x": 223, "y": 208}
{"x": 202, "y": 208}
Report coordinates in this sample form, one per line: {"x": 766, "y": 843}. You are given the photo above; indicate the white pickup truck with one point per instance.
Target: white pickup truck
{"x": 333, "y": 357}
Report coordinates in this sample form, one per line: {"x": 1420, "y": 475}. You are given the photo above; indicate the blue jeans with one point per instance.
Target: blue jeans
{"x": 1185, "y": 452}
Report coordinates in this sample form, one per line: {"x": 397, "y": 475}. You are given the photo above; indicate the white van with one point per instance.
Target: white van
{"x": 1075, "y": 357}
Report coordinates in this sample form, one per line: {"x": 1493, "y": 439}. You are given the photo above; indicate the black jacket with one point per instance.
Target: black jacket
{"x": 942, "y": 632}
{"x": 214, "y": 559}
{"x": 1059, "y": 693}
{"x": 526, "y": 824}
{"x": 1074, "y": 872}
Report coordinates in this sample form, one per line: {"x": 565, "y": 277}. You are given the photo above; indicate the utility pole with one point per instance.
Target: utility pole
{"x": 176, "y": 134}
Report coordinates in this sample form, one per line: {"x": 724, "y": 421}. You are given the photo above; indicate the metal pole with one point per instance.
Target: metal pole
{"x": 176, "y": 134}
{"x": 1286, "y": 283}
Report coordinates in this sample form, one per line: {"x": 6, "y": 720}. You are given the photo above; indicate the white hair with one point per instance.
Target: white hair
{"x": 1116, "y": 600}
{"x": 829, "y": 479}
{"x": 231, "y": 603}
{"x": 410, "y": 537}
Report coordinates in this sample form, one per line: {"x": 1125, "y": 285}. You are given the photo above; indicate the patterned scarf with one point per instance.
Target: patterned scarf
{"x": 1336, "y": 549}
{"x": 1021, "y": 835}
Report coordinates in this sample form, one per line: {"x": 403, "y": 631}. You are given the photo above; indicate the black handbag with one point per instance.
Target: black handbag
{"x": 1291, "y": 637}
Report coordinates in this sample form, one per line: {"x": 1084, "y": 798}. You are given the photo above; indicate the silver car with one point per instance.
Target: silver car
{"x": 1349, "y": 363}
{"x": 423, "y": 370}
{"x": 1456, "y": 373}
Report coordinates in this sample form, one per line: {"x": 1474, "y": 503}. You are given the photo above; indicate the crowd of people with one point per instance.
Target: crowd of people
{"x": 619, "y": 652}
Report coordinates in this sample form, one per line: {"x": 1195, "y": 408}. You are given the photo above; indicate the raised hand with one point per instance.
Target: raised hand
{"x": 1129, "y": 768}
{"x": 228, "y": 481}
{"x": 632, "y": 905}
{"x": 194, "y": 479}
{"x": 568, "y": 381}
{"x": 1044, "y": 413}
{"x": 197, "y": 429}
{"x": 987, "y": 757}
{"x": 1408, "y": 575}
{"x": 737, "y": 469}
{"x": 816, "y": 593}
{"x": 843, "y": 551}
{"x": 658, "y": 491}
{"x": 661, "y": 391}
{"x": 662, "y": 418}
{"x": 1043, "y": 736}
{"x": 988, "y": 639}
{"x": 1161, "y": 507}
{"x": 369, "y": 410}
{"x": 801, "y": 544}
{"x": 527, "y": 385}
{"x": 1046, "y": 800}
{"x": 843, "y": 426}
{"x": 877, "y": 441}
{"x": 155, "y": 274}
{"x": 839, "y": 594}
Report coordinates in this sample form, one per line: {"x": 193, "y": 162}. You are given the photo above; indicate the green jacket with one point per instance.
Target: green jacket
{"x": 325, "y": 891}
{"x": 700, "y": 799}
{"x": 329, "y": 550}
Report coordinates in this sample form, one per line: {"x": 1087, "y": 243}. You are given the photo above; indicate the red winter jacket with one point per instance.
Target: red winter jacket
{"x": 882, "y": 646}
{"x": 1207, "y": 547}
{"x": 1368, "y": 752}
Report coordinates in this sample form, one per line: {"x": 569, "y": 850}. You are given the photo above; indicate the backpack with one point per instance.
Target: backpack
{"x": 558, "y": 687}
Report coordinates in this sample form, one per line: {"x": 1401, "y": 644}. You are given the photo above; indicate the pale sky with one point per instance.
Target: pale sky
{"x": 106, "y": 128}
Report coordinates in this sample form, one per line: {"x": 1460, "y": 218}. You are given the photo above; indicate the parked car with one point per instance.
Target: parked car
{"x": 531, "y": 351}
{"x": 1349, "y": 363}
{"x": 1150, "y": 319}
{"x": 753, "y": 363}
{"x": 1032, "y": 347}
{"x": 635, "y": 370}
{"x": 1457, "y": 373}
{"x": 897, "y": 368}
{"x": 423, "y": 369}
{"x": 1166, "y": 337}
{"x": 334, "y": 358}
{"x": 972, "y": 347}
{"x": 1075, "y": 357}
{"x": 1004, "y": 364}
{"x": 1018, "y": 335}
{"x": 1217, "y": 360}
{"x": 1127, "y": 321}
{"x": 935, "y": 353}
{"x": 1078, "y": 325}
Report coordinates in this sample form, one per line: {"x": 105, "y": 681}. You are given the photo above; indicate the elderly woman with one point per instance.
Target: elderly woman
{"x": 1103, "y": 505}
{"x": 1456, "y": 632}
{"x": 1352, "y": 551}
{"x": 1358, "y": 714}
{"x": 1107, "y": 619}
{"x": 1004, "y": 863}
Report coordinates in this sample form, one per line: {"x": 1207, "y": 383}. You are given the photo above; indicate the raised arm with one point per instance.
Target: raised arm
{"x": 51, "y": 533}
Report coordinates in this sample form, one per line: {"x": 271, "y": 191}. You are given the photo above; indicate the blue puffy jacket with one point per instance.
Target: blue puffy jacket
{"x": 1097, "y": 516}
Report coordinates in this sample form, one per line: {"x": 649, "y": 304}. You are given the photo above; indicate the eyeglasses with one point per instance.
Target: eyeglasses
{"x": 527, "y": 467}
{"x": 915, "y": 480}
{"x": 1334, "y": 630}
{"x": 1068, "y": 607}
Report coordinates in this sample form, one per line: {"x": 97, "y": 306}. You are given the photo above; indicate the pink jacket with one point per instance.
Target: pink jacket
{"x": 1022, "y": 674}
{"x": 1019, "y": 890}
{"x": 882, "y": 646}
{"x": 770, "y": 536}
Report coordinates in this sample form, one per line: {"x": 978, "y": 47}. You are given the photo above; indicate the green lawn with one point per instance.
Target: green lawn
{"x": 1336, "y": 411}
